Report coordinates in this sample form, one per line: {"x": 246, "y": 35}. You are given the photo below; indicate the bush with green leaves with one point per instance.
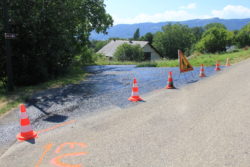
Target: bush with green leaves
{"x": 97, "y": 57}
{"x": 172, "y": 38}
{"x": 215, "y": 39}
{"x": 243, "y": 36}
{"x": 50, "y": 34}
{"x": 86, "y": 56}
{"x": 127, "y": 52}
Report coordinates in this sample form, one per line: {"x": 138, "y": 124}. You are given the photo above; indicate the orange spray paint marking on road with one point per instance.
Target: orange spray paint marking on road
{"x": 56, "y": 126}
{"x": 46, "y": 149}
{"x": 71, "y": 145}
{"x": 57, "y": 160}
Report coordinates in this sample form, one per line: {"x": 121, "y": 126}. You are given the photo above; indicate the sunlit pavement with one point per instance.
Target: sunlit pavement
{"x": 202, "y": 124}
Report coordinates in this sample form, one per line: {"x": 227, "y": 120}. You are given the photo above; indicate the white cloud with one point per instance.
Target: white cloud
{"x": 172, "y": 15}
{"x": 231, "y": 11}
{"x": 227, "y": 12}
{"x": 189, "y": 6}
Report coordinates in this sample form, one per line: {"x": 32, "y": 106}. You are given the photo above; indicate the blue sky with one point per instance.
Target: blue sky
{"x": 137, "y": 11}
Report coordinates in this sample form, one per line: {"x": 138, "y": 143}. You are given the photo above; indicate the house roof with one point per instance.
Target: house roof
{"x": 110, "y": 48}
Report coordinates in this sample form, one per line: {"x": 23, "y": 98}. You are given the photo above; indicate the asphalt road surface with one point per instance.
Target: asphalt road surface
{"x": 204, "y": 124}
{"x": 104, "y": 88}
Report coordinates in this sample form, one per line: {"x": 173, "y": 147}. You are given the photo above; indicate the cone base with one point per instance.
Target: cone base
{"x": 135, "y": 99}
{"x": 217, "y": 69}
{"x": 170, "y": 87}
{"x": 22, "y": 138}
{"x": 202, "y": 75}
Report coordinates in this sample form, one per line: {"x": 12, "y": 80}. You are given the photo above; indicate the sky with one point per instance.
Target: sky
{"x": 139, "y": 11}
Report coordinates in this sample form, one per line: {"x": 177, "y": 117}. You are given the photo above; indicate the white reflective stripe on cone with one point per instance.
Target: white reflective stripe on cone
{"x": 23, "y": 115}
{"x": 135, "y": 94}
{"x": 26, "y": 128}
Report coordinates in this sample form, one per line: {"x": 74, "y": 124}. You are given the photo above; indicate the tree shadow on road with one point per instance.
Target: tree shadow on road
{"x": 56, "y": 118}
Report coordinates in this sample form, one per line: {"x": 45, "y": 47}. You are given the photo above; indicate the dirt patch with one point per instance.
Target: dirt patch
{"x": 2, "y": 104}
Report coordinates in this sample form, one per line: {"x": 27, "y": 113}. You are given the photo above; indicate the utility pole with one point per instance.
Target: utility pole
{"x": 8, "y": 51}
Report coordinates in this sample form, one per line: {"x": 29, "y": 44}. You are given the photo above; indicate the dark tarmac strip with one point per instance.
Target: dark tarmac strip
{"x": 106, "y": 87}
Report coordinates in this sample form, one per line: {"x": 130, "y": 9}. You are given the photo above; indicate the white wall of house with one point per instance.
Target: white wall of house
{"x": 154, "y": 54}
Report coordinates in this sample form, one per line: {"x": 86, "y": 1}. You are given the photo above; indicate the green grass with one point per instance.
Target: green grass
{"x": 11, "y": 100}
{"x": 206, "y": 59}
{"x": 147, "y": 64}
{"x": 112, "y": 62}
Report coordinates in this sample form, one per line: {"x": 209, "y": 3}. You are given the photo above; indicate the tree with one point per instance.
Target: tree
{"x": 127, "y": 52}
{"x": 215, "y": 39}
{"x": 50, "y": 34}
{"x": 148, "y": 37}
{"x": 212, "y": 25}
{"x": 197, "y": 31}
{"x": 243, "y": 36}
{"x": 97, "y": 45}
{"x": 172, "y": 38}
{"x": 137, "y": 34}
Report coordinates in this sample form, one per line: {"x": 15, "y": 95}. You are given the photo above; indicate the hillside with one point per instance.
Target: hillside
{"x": 127, "y": 30}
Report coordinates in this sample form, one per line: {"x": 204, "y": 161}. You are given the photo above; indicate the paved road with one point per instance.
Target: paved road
{"x": 96, "y": 93}
{"x": 205, "y": 124}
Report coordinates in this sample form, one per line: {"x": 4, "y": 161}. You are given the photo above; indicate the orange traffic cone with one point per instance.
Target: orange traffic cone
{"x": 202, "y": 71}
{"x": 228, "y": 63}
{"x": 135, "y": 93}
{"x": 26, "y": 131}
{"x": 217, "y": 67}
{"x": 170, "y": 84}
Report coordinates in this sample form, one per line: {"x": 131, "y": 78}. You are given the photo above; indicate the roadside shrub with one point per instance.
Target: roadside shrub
{"x": 86, "y": 56}
{"x": 127, "y": 52}
{"x": 214, "y": 40}
{"x": 97, "y": 57}
{"x": 243, "y": 36}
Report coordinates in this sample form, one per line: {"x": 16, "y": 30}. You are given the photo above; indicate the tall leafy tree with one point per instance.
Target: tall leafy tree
{"x": 197, "y": 31}
{"x": 148, "y": 37}
{"x": 172, "y": 38}
{"x": 136, "y": 34}
{"x": 215, "y": 39}
{"x": 50, "y": 33}
{"x": 243, "y": 36}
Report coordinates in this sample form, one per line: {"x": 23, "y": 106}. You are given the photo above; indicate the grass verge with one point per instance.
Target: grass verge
{"x": 115, "y": 63}
{"x": 9, "y": 101}
{"x": 206, "y": 59}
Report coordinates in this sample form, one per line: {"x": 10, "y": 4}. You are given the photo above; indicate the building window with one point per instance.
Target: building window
{"x": 147, "y": 56}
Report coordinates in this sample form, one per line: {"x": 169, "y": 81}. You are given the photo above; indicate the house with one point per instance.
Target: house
{"x": 150, "y": 53}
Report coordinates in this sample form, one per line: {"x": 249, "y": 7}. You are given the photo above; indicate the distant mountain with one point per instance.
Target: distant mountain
{"x": 127, "y": 30}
